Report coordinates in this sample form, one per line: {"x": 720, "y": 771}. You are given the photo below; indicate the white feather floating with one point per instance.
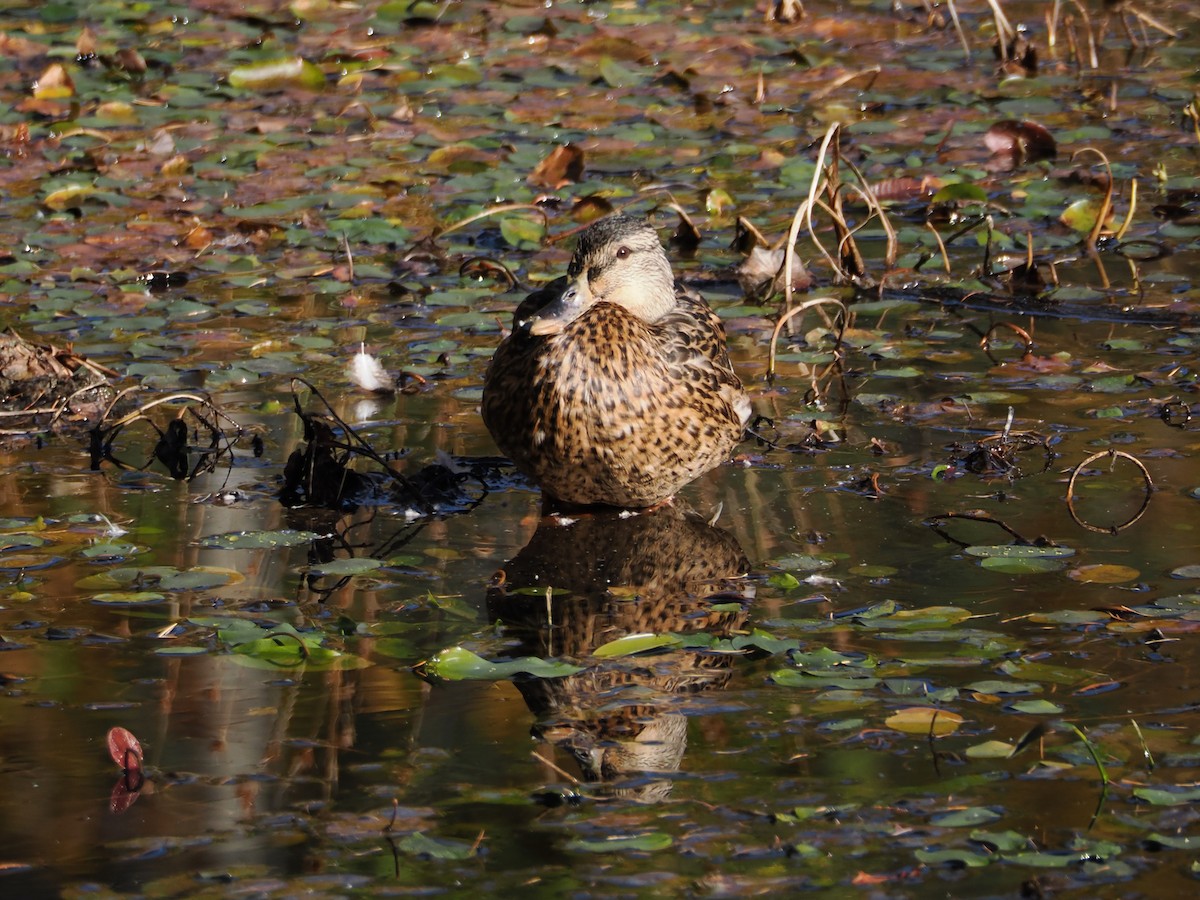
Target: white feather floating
{"x": 369, "y": 374}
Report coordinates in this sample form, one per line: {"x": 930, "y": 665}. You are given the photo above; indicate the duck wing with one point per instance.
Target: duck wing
{"x": 696, "y": 350}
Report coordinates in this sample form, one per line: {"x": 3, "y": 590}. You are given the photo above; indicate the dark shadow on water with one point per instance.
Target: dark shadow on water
{"x": 581, "y": 583}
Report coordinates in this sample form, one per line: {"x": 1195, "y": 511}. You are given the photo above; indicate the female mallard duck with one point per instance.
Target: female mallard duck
{"x": 615, "y": 385}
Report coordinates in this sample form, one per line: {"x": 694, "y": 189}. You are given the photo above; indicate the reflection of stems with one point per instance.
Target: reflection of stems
{"x": 1103, "y": 775}
{"x": 1091, "y": 749}
{"x": 1145, "y": 750}
{"x": 786, "y": 317}
{"x": 555, "y": 767}
{"x": 1147, "y": 482}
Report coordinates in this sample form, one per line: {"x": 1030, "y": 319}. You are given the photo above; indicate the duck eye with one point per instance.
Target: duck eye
{"x": 623, "y": 252}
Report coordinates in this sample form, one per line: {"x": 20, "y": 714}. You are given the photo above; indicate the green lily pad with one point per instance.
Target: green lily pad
{"x": 128, "y": 598}
{"x": 965, "y": 818}
{"x": 355, "y": 565}
{"x": 460, "y": 664}
{"x": 418, "y": 844}
{"x": 962, "y": 858}
{"x": 635, "y": 643}
{"x": 647, "y": 843}
{"x": 291, "y": 72}
{"x": 990, "y": 750}
{"x": 258, "y": 540}
{"x": 923, "y": 719}
{"x": 1035, "y": 707}
{"x": 1167, "y": 796}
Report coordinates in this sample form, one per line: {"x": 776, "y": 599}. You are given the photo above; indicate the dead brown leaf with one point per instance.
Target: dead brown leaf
{"x": 563, "y": 166}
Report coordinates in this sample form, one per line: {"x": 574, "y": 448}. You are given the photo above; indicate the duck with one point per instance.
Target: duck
{"x": 614, "y": 386}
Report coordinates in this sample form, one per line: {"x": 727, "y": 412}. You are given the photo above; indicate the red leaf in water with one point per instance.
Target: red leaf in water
{"x": 1024, "y": 141}
{"x": 125, "y": 750}
{"x": 123, "y": 795}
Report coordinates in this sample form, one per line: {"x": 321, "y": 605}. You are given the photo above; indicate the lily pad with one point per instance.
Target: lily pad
{"x": 923, "y": 719}
{"x": 258, "y": 540}
{"x": 460, "y": 664}
{"x": 648, "y": 843}
{"x": 355, "y": 565}
{"x": 635, "y": 643}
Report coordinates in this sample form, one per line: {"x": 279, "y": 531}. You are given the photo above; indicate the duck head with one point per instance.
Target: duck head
{"x": 620, "y": 260}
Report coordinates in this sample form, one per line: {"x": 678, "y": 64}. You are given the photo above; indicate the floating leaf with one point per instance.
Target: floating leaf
{"x": 418, "y": 844}
{"x": 649, "y": 842}
{"x": 69, "y": 197}
{"x": 522, "y": 232}
{"x": 293, "y": 72}
{"x": 1069, "y": 617}
{"x": 125, "y": 750}
{"x": 990, "y": 750}
{"x": 1174, "y": 841}
{"x": 102, "y": 551}
{"x": 460, "y": 664}
{"x": 635, "y": 643}
{"x": 957, "y": 858}
{"x": 1167, "y": 796}
{"x": 963, "y": 818}
{"x": 921, "y": 719}
{"x": 129, "y": 598}
{"x": 354, "y": 565}
{"x": 799, "y": 563}
{"x": 199, "y": 578}
{"x": 1022, "y": 566}
{"x": 1019, "y": 551}
{"x": 257, "y": 540}
{"x": 1003, "y": 687}
{"x": 1035, "y": 707}
{"x": 1000, "y": 841}
{"x": 960, "y": 192}
{"x": 1103, "y": 574}
{"x": 1081, "y": 215}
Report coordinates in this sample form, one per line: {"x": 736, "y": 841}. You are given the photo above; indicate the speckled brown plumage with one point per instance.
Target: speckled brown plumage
{"x": 615, "y": 386}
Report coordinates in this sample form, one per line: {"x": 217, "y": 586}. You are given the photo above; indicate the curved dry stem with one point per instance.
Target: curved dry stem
{"x": 958, "y": 29}
{"x": 1106, "y": 205}
{"x": 494, "y": 211}
{"x": 783, "y": 320}
{"x": 935, "y": 522}
{"x": 867, "y": 192}
{"x": 873, "y": 72}
{"x": 1004, "y": 30}
{"x": 986, "y": 341}
{"x": 478, "y": 266}
{"x": 1147, "y": 481}
{"x": 941, "y": 246}
{"x": 1129, "y": 213}
{"x": 1093, "y": 60}
{"x": 804, "y": 212}
{"x": 141, "y": 411}
{"x": 356, "y": 443}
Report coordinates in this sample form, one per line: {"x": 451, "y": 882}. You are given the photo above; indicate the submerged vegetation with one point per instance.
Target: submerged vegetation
{"x": 931, "y": 630}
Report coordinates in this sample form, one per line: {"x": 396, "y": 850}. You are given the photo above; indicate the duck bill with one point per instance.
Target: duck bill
{"x": 561, "y": 311}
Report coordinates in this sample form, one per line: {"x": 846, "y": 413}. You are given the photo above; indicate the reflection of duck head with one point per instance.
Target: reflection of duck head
{"x": 582, "y": 583}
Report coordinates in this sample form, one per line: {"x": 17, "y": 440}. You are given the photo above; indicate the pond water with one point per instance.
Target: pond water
{"x": 795, "y": 677}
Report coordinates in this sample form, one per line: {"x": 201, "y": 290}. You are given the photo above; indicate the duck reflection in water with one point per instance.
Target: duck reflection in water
{"x": 581, "y": 583}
